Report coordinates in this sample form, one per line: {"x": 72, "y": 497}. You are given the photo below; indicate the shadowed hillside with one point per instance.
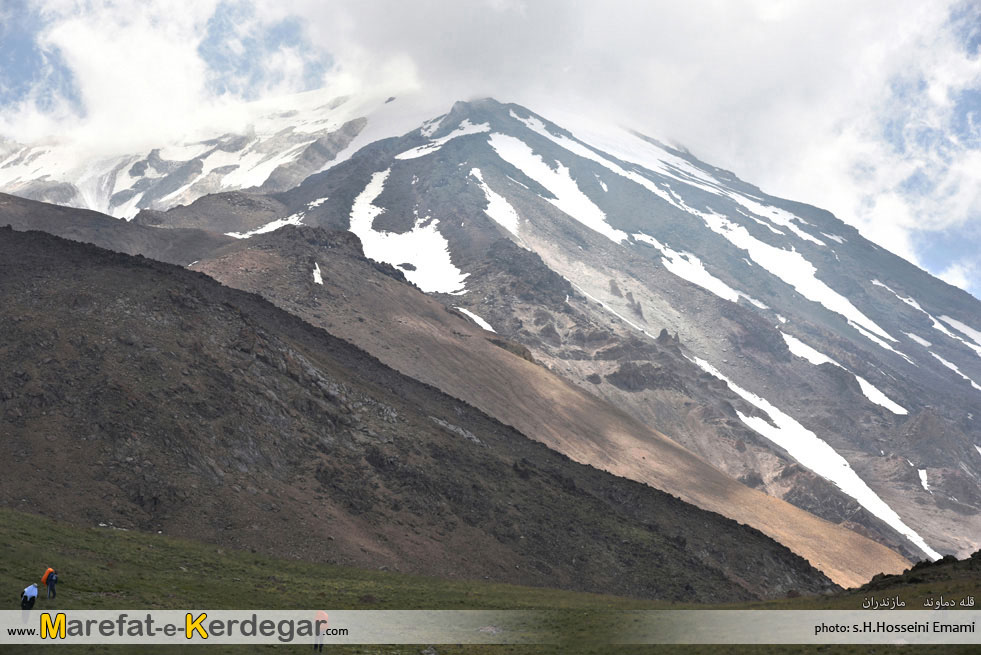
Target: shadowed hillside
{"x": 154, "y": 398}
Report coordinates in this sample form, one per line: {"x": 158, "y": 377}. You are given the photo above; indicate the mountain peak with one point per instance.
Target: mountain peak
{"x": 747, "y": 327}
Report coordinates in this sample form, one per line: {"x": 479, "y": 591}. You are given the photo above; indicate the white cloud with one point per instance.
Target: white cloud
{"x": 793, "y": 96}
{"x": 961, "y": 274}
{"x": 834, "y": 103}
{"x": 135, "y": 67}
{"x": 140, "y": 75}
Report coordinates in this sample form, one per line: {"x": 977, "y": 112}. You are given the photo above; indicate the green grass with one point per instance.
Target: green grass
{"x": 102, "y": 568}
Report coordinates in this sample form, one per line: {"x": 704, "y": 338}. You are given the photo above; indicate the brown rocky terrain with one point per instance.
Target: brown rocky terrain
{"x": 370, "y": 306}
{"x": 545, "y": 272}
{"x": 651, "y": 241}
{"x": 358, "y": 300}
{"x": 176, "y": 246}
{"x": 142, "y": 395}
{"x": 229, "y": 211}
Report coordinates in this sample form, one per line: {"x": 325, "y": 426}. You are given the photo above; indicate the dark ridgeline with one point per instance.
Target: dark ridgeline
{"x": 146, "y": 395}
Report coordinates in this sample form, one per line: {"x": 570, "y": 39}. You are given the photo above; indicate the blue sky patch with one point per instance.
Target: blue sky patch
{"x": 26, "y": 67}
{"x": 967, "y": 117}
{"x": 965, "y": 20}
{"x": 938, "y": 250}
{"x": 237, "y": 46}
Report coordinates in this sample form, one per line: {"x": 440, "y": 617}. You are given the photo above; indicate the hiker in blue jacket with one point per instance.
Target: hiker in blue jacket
{"x": 52, "y": 580}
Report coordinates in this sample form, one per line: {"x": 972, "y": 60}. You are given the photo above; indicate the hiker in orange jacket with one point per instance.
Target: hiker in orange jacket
{"x": 320, "y": 628}
{"x": 49, "y": 579}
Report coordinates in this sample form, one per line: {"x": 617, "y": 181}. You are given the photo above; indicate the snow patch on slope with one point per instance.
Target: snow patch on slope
{"x": 628, "y": 146}
{"x": 923, "y": 342}
{"x": 801, "y": 349}
{"x": 430, "y": 126}
{"x": 569, "y": 198}
{"x": 463, "y": 129}
{"x": 909, "y": 301}
{"x": 871, "y": 337}
{"x": 779, "y": 216}
{"x": 387, "y": 119}
{"x": 791, "y": 267}
{"x": 581, "y": 150}
{"x": 954, "y": 368}
{"x": 964, "y": 329}
{"x": 272, "y": 226}
{"x": 816, "y": 455}
{"x": 255, "y": 167}
{"x": 317, "y": 278}
{"x": 498, "y": 208}
{"x": 937, "y": 325}
{"x": 689, "y": 267}
{"x": 875, "y": 395}
{"x": 423, "y": 246}
{"x": 923, "y": 479}
{"x": 632, "y": 148}
{"x": 478, "y": 320}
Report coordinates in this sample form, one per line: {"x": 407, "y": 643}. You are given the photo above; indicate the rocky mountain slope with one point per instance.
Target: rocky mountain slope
{"x": 841, "y": 361}
{"x": 763, "y": 335}
{"x": 443, "y": 347}
{"x": 177, "y": 246}
{"x": 325, "y": 279}
{"x": 137, "y": 394}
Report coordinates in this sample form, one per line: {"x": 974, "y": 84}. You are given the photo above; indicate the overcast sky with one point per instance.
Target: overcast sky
{"x": 871, "y": 109}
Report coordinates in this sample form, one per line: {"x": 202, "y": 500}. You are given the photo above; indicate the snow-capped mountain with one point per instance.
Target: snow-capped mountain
{"x": 323, "y": 278}
{"x": 832, "y": 354}
{"x": 280, "y": 144}
{"x": 766, "y": 336}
